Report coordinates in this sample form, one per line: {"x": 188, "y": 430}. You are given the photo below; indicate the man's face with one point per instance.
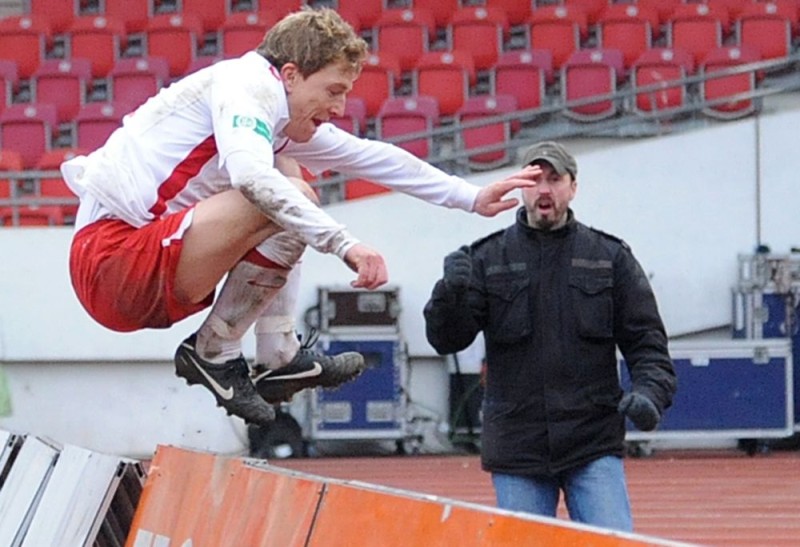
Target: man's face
{"x": 315, "y": 99}
{"x": 546, "y": 203}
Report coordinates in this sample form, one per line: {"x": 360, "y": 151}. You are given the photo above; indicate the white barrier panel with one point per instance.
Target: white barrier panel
{"x": 23, "y": 488}
{"x": 66, "y": 496}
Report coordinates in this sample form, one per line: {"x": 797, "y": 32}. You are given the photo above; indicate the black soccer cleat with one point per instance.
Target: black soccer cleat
{"x": 308, "y": 369}
{"x": 230, "y": 383}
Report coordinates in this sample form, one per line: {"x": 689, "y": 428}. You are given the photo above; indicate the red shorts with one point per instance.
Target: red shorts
{"x": 124, "y": 276}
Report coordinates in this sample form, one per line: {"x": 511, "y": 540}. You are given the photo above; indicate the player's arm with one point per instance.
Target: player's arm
{"x": 244, "y": 130}
{"x": 395, "y": 168}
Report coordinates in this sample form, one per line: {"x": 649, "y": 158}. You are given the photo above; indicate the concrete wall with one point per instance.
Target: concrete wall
{"x": 687, "y": 204}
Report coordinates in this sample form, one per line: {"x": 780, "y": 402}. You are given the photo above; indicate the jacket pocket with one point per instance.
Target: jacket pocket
{"x": 509, "y": 312}
{"x": 593, "y": 305}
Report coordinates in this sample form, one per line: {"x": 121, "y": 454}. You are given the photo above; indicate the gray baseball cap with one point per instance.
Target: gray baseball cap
{"x": 554, "y": 154}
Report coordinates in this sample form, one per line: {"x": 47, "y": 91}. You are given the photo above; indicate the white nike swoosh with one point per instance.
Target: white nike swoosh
{"x": 316, "y": 370}
{"x": 226, "y": 394}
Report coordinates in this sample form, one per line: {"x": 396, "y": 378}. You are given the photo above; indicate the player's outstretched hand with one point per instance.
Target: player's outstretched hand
{"x": 369, "y": 264}
{"x": 492, "y": 198}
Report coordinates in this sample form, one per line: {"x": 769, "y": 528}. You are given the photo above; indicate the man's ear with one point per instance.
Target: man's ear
{"x": 289, "y": 74}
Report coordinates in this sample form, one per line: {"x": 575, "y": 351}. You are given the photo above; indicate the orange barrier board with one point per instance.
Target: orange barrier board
{"x": 352, "y": 515}
{"x": 203, "y": 500}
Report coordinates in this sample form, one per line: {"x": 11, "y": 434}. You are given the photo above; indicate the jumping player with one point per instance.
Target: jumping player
{"x": 187, "y": 192}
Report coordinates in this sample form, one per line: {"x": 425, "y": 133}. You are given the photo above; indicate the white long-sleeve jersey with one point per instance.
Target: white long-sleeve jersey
{"x": 220, "y": 128}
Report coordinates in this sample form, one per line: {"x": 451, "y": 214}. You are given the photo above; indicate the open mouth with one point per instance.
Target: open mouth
{"x": 545, "y": 207}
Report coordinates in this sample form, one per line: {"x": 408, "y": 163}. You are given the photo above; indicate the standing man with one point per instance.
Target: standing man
{"x": 187, "y": 193}
{"x": 555, "y": 299}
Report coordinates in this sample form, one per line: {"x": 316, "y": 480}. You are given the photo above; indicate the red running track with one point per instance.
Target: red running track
{"x": 715, "y": 498}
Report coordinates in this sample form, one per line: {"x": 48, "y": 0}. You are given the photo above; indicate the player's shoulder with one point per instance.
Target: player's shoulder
{"x": 607, "y": 237}
{"x": 486, "y": 240}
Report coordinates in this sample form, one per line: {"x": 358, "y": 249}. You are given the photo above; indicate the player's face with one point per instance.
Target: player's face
{"x": 546, "y": 203}
{"x": 315, "y": 99}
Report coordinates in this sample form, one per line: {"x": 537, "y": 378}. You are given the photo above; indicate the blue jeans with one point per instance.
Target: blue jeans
{"x": 595, "y": 493}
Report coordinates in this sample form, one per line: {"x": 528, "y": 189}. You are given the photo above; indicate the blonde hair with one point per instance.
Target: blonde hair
{"x": 312, "y": 39}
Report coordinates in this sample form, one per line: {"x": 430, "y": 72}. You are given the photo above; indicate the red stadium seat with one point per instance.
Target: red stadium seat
{"x": 134, "y": 15}
{"x": 174, "y": 37}
{"x": 696, "y": 28}
{"x": 354, "y": 119}
{"x": 735, "y": 7}
{"x": 480, "y": 31}
{"x": 517, "y": 11}
{"x": 592, "y": 8}
{"x": 96, "y": 121}
{"x": 212, "y": 14}
{"x": 55, "y": 187}
{"x": 664, "y": 71}
{"x": 768, "y": 27}
{"x": 10, "y": 160}
{"x": 494, "y": 134}
{"x": 99, "y": 39}
{"x": 405, "y": 116}
{"x": 663, "y": 8}
{"x": 136, "y": 79}
{"x": 716, "y": 89}
{"x": 524, "y": 75}
{"x": 628, "y": 28}
{"x": 369, "y": 11}
{"x": 28, "y": 130}
{"x": 559, "y": 29}
{"x": 8, "y": 82}
{"x": 359, "y": 188}
{"x": 442, "y": 10}
{"x": 446, "y": 76}
{"x": 277, "y": 9}
{"x": 591, "y": 73}
{"x": 243, "y": 32}
{"x": 353, "y": 18}
{"x": 30, "y": 215}
{"x": 405, "y": 33}
{"x": 24, "y": 40}
{"x": 58, "y": 13}
{"x": 380, "y": 76}
{"x": 63, "y": 83}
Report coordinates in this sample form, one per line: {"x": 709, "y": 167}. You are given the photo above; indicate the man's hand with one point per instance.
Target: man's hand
{"x": 457, "y": 270}
{"x": 641, "y": 410}
{"x": 491, "y": 199}
{"x": 369, "y": 265}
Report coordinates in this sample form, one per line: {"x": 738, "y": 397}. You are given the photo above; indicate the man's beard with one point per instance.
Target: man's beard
{"x": 545, "y": 223}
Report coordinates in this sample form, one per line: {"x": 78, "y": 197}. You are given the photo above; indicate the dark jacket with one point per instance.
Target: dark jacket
{"x": 554, "y": 306}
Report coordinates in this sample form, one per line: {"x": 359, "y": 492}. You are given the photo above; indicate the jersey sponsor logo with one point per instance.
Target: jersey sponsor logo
{"x": 259, "y": 126}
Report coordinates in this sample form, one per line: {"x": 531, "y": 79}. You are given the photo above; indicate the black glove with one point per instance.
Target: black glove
{"x": 457, "y": 270}
{"x": 641, "y": 410}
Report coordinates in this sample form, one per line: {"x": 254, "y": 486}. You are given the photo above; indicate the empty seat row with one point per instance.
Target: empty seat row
{"x": 407, "y": 33}
{"x": 61, "y": 14}
{"x": 523, "y": 74}
{"x": 590, "y": 84}
{"x": 101, "y": 40}
{"x": 68, "y": 84}
{"x": 30, "y": 129}
{"x": 409, "y": 123}
{"x": 445, "y": 77}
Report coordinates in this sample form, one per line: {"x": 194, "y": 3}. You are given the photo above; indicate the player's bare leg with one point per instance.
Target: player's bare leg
{"x": 284, "y": 365}
{"x": 225, "y": 228}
